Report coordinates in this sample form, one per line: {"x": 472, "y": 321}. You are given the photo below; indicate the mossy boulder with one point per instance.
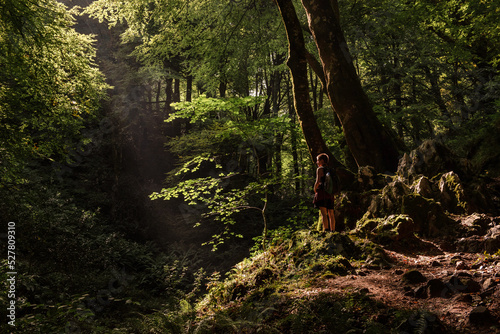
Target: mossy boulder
{"x": 366, "y": 225}
{"x": 388, "y": 201}
{"x": 349, "y": 207}
{"x": 424, "y": 187}
{"x": 372, "y": 254}
{"x": 368, "y": 178}
{"x": 386, "y": 230}
{"x": 395, "y": 227}
{"x": 452, "y": 195}
{"x": 428, "y": 216}
{"x": 331, "y": 266}
{"x": 307, "y": 254}
{"x": 307, "y": 244}
{"x": 430, "y": 159}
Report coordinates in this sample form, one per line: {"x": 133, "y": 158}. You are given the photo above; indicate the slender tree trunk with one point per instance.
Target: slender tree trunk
{"x": 275, "y": 84}
{"x": 168, "y": 96}
{"x": 177, "y": 91}
{"x": 397, "y": 92}
{"x": 293, "y": 138}
{"x": 148, "y": 103}
{"x": 158, "y": 94}
{"x": 320, "y": 103}
{"x": 278, "y": 144}
{"x": 436, "y": 92}
{"x": 189, "y": 88}
{"x": 368, "y": 141}
{"x": 314, "y": 86}
{"x": 222, "y": 89}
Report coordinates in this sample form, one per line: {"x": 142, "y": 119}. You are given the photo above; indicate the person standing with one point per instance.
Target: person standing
{"x": 322, "y": 199}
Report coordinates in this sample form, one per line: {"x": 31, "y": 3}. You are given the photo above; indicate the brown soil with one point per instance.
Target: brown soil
{"x": 387, "y": 286}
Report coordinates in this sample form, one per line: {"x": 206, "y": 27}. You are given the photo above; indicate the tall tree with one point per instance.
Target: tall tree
{"x": 429, "y": 66}
{"x": 297, "y": 62}
{"x": 370, "y": 143}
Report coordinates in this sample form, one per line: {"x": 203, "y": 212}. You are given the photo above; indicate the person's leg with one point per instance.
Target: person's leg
{"x": 324, "y": 217}
{"x": 331, "y": 216}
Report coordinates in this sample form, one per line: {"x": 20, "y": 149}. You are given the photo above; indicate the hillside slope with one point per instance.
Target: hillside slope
{"x": 334, "y": 283}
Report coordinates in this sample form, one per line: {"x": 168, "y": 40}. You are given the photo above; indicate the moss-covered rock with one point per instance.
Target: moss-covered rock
{"x": 349, "y": 207}
{"x": 307, "y": 254}
{"x": 310, "y": 244}
{"x": 394, "y": 228}
{"x": 429, "y": 159}
{"x": 452, "y": 195}
{"x": 428, "y": 216}
{"x": 367, "y": 178}
{"x": 372, "y": 254}
{"x": 387, "y": 229}
{"x": 424, "y": 187}
{"x": 388, "y": 201}
{"x": 366, "y": 225}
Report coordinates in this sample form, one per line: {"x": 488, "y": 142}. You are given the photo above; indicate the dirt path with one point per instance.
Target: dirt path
{"x": 388, "y": 286}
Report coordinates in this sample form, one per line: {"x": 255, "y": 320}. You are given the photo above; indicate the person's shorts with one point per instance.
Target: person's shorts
{"x": 322, "y": 199}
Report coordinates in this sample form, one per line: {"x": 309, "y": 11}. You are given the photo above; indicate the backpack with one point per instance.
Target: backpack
{"x": 332, "y": 184}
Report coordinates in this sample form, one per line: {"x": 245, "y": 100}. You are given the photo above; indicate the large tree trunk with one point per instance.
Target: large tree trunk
{"x": 367, "y": 139}
{"x": 297, "y": 63}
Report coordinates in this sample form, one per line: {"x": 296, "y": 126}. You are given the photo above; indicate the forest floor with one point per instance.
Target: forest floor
{"x": 387, "y": 285}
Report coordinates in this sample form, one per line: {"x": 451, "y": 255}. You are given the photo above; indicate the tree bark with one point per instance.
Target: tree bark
{"x": 168, "y": 96}
{"x": 176, "y": 97}
{"x": 316, "y": 67}
{"x": 293, "y": 138}
{"x": 158, "y": 94}
{"x": 367, "y": 139}
{"x": 189, "y": 88}
{"x": 297, "y": 63}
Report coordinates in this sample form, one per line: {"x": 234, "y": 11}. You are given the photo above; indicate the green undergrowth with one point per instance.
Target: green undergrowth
{"x": 323, "y": 312}
{"x": 280, "y": 290}
{"x": 284, "y": 265}
{"x": 273, "y": 291}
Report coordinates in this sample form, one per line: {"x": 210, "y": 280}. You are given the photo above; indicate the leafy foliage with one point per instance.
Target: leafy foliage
{"x": 224, "y": 138}
{"x": 49, "y": 85}
{"x": 429, "y": 67}
{"x": 213, "y": 41}
{"x": 76, "y": 270}
{"x": 220, "y": 204}
{"x": 205, "y": 110}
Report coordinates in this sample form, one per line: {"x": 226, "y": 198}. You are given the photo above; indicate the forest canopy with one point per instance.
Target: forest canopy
{"x": 430, "y": 69}
{"x": 49, "y": 84}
